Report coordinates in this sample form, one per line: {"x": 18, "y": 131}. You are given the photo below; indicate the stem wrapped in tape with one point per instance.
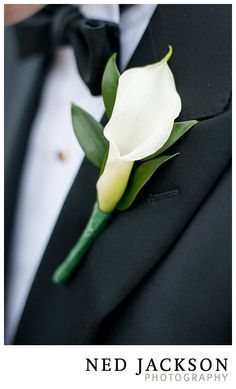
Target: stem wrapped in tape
{"x": 95, "y": 225}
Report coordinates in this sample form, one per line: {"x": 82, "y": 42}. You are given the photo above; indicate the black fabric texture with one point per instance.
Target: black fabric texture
{"x": 93, "y": 41}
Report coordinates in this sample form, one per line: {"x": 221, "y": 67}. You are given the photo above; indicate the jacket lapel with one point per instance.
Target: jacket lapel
{"x": 137, "y": 240}
{"x": 23, "y": 81}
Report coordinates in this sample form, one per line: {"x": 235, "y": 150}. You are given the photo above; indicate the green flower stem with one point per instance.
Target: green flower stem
{"x": 95, "y": 225}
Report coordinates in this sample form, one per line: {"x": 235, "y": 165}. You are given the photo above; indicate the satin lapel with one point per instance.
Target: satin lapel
{"x": 23, "y": 80}
{"x": 136, "y": 240}
{"x": 201, "y": 62}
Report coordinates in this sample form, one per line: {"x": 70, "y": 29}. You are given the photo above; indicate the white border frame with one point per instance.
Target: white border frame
{"x": 63, "y": 367}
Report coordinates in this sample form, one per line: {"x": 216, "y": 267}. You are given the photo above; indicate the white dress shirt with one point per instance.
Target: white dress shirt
{"x": 54, "y": 156}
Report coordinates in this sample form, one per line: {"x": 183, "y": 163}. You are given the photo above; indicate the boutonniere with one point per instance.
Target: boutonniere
{"x": 141, "y": 104}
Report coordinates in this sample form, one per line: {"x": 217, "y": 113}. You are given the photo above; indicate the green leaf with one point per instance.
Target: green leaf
{"x": 90, "y": 135}
{"x": 109, "y": 84}
{"x": 179, "y": 129}
{"x": 139, "y": 178}
{"x": 104, "y": 160}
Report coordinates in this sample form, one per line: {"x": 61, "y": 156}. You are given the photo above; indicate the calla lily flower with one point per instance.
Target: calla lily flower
{"x": 143, "y": 104}
{"x": 146, "y": 105}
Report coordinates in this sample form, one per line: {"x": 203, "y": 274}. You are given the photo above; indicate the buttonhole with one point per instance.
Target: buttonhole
{"x": 163, "y": 195}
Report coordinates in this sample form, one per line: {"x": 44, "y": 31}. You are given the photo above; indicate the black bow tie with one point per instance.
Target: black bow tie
{"x": 93, "y": 41}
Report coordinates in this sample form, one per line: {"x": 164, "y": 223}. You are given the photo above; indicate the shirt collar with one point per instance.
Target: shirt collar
{"x": 108, "y": 12}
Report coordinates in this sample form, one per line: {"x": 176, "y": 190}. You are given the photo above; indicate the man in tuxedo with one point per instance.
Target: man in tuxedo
{"x": 160, "y": 273}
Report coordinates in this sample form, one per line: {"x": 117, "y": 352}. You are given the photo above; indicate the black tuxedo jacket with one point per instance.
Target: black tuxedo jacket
{"x": 161, "y": 272}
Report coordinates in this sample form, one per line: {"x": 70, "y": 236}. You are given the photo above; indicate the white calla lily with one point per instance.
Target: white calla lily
{"x": 142, "y": 122}
{"x": 146, "y": 105}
